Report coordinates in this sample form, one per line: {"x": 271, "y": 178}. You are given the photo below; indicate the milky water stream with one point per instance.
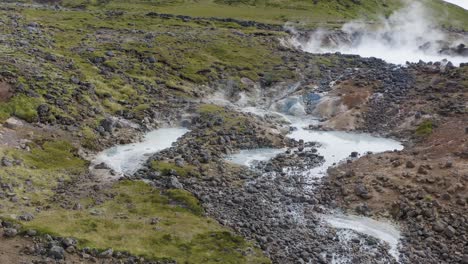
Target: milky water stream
{"x": 382, "y": 230}
{"x": 127, "y": 159}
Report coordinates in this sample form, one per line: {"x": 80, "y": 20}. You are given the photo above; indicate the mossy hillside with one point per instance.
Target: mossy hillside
{"x": 448, "y": 15}
{"x": 331, "y": 13}
{"x": 144, "y": 221}
{"x": 71, "y": 69}
{"x": 39, "y": 171}
{"x": 309, "y": 13}
{"x": 146, "y": 66}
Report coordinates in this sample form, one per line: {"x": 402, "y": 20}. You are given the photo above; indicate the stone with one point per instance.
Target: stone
{"x": 179, "y": 163}
{"x": 70, "y": 249}
{"x": 108, "y": 124}
{"x": 361, "y": 191}
{"x": 107, "y": 253}
{"x": 102, "y": 166}
{"x": 69, "y": 242}
{"x": 174, "y": 183}
{"x": 410, "y": 164}
{"x": 43, "y": 110}
{"x": 6, "y": 162}
{"x": 450, "y": 231}
{"x": 438, "y": 227}
{"x": 77, "y": 207}
{"x": 26, "y": 217}
{"x": 51, "y": 57}
{"x": 13, "y": 123}
{"x": 75, "y": 80}
{"x": 56, "y": 252}
{"x": 31, "y": 232}
{"x": 448, "y": 164}
{"x": 10, "y": 232}
{"x": 152, "y": 59}
{"x": 422, "y": 170}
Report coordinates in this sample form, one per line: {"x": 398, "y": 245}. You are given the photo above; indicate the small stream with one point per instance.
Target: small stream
{"x": 127, "y": 159}
{"x": 382, "y": 230}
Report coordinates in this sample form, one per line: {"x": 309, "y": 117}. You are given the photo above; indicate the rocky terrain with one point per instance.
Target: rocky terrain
{"x": 78, "y": 77}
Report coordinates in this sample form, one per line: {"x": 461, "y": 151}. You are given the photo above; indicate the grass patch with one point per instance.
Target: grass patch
{"x": 424, "y": 129}
{"x": 41, "y": 170}
{"x": 54, "y": 155}
{"x": 223, "y": 118}
{"x": 166, "y": 167}
{"x": 89, "y": 140}
{"x": 124, "y": 223}
{"x": 21, "y": 106}
{"x": 186, "y": 199}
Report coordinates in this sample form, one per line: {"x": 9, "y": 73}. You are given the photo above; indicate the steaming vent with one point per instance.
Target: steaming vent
{"x": 408, "y": 35}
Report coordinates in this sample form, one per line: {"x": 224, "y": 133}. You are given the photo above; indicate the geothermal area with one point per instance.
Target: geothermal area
{"x": 233, "y": 132}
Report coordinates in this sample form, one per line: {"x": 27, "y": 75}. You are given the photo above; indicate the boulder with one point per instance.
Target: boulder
{"x": 26, "y": 217}
{"x": 361, "y": 191}
{"x": 67, "y": 242}
{"x": 107, "y": 253}
{"x": 102, "y": 166}
{"x": 56, "y": 252}
{"x": 6, "y": 162}
{"x": 438, "y": 227}
{"x": 108, "y": 124}
{"x": 10, "y": 232}
{"x": 31, "y": 232}
{"x": 410, "y": 164}
{"x": 13, "y": 123}
{"x": 174, "y": 183}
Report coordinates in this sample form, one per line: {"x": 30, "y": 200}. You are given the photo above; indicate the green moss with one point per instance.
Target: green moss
{"x": 210, "y": 109}
{"x": 124, "y": 223}
{"x": 39, "y": 174}
{"x": 141, "y": 107}
{"x": 186, "y": 199}
{"x": 229, "y": 120}
{"x": 165, "y": 168}
{"x": 112, "y": 106}
{"x": 424, "y": 129}
{"x": 89, "y": 138}
{"x": 53, "y": 155}
{"x": 21, "y": 106}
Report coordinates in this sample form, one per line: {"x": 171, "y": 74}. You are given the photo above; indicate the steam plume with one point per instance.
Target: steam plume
{"x": 408, "y": 34}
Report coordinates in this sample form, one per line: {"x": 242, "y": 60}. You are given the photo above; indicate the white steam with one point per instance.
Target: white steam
{"x": 407, "y": 35}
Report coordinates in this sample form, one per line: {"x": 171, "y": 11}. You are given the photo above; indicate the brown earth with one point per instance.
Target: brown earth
{"x": 6, "y": 91}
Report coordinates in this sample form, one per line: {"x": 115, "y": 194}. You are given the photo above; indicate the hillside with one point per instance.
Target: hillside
{"x": 78, "y": 77}
{"x": 304, "y": 14}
